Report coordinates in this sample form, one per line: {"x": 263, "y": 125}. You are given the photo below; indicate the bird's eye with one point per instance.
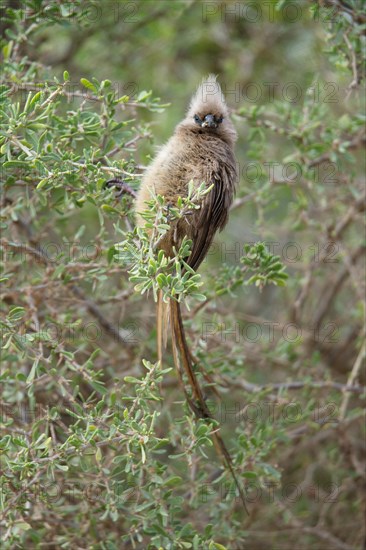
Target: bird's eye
{"x": 197, "y": 119}
{"x": 220, "y": 119}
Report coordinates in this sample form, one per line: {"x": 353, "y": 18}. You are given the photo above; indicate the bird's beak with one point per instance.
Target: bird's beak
{"x": 209, "y": 121}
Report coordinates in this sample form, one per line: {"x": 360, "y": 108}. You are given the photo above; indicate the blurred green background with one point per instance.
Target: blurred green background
{"x": 293, "y": 75}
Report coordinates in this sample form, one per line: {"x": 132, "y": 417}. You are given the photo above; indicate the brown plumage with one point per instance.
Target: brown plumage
{"x": 200, "y": 150}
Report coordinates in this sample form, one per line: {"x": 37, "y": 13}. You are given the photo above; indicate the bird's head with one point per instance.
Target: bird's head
{"x": 208, "y": 112}
{"x": 208, "y": 121}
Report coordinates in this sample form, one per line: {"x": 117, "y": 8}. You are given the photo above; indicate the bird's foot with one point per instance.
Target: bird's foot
{"x": 121, "y": 186}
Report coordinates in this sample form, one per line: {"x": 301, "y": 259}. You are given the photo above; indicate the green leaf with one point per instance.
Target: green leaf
{"x": 98, "y": 387}
{"x": 37, "y": 97}
{"x": 108, "y": 208}
{"x": 132, "y": 380}
{"x": 216, "y": 546}
{"x": 173, "y": 480}
{"x": 33, "y": 371}
{"x": 16, "y": 164}
{"x": 87, "y": 84}
{"x": 250, "y": 475}
{"x": 16, "y": 313}
{"x": 62, "y": 467}
{"x": 42, "y": 184}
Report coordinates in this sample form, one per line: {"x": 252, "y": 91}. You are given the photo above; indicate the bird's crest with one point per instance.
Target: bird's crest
{"x": 208, "y": 99}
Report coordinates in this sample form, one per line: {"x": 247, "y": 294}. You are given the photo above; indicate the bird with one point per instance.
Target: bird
{"x": 201, "y": 149}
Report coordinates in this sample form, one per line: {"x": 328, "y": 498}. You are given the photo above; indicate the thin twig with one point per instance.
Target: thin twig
{"x": 355, "y": 80}
{"x": 294, "y": 385}
{"x": 351, "y": 380}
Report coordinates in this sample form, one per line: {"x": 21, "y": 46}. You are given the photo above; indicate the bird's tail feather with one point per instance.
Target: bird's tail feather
{"x": 196, "y": 400}
{"x": 162, "y": 324}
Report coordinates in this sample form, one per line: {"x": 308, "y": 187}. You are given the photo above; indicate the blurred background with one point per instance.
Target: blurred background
{"x": 288, "y": 361}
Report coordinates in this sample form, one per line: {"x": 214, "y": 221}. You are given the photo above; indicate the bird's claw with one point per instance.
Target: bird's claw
{"x": 121, "y": 186}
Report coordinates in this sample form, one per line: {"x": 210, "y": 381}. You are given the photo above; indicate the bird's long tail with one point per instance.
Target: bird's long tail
{"x": 162, "y": 324}
{"x": 196, "y": 401}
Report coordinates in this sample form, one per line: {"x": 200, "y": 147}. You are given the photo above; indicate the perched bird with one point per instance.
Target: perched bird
{"x": 200, "y": 150}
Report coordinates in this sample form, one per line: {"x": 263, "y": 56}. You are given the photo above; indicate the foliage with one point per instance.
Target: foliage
{"x": 151, "y": 269}
{"x": 98, "y": 448}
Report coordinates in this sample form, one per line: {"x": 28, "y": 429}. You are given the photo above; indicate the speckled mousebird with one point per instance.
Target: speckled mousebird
{"x": 200, "y": 150}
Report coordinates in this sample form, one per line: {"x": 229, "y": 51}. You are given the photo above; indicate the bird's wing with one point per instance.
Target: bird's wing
{"x": 212, "y": 215}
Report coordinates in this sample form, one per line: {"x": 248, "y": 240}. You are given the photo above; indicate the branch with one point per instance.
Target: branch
{"x": 352, "y": 377}
{"x": 330, "y": 291}
{"x": 355, "y": 80}
{"x": 294, "y": 385}
{"x": 120, "y": 335}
